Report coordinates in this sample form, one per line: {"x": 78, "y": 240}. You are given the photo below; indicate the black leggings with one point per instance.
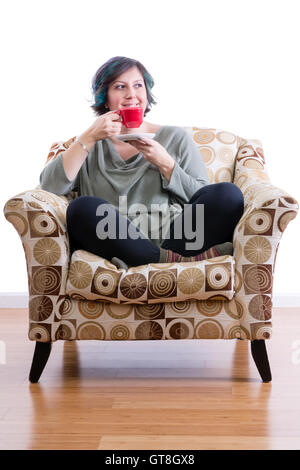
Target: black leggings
{"x": 223, "y": 208}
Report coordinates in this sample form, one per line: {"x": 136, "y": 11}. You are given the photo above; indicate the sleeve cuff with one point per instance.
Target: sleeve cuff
{"x": 170, "y": 184}
{"x": 181, "y": 184}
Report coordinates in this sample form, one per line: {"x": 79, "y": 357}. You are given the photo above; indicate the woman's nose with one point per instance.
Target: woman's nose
{"x": 131, "y": 92}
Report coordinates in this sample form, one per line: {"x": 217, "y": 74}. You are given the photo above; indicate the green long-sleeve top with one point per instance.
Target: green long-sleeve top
{"x": 136, "y": 187}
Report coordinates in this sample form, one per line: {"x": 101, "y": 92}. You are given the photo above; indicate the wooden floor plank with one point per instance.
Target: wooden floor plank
{"x": 145, "y": 395}
{"x": 188, "y": 442}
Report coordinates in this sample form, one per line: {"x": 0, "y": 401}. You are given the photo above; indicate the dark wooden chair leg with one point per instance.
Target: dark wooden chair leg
{"x": 40, "y": 358}
{"x": 260, "y": 356}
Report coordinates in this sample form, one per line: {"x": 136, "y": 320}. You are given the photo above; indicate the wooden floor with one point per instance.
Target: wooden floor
{"x": 150, "y": 394}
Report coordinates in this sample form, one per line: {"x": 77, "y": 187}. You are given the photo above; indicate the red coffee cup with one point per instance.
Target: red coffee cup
{"x": 131, "y": 117}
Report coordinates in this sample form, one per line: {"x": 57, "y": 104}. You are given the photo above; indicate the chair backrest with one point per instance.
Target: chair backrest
{"x": 219, "y": 149}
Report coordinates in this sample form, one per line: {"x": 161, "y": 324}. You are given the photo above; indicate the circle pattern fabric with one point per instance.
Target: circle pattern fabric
{"x": 190, "y": 280}
{"x": 145, "y": 306}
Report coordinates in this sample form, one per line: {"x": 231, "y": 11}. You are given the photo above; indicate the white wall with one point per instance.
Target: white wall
{"x": 227, "y": 64}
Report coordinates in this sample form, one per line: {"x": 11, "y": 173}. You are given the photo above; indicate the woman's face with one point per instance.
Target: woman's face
{"x": 127, "y": 90}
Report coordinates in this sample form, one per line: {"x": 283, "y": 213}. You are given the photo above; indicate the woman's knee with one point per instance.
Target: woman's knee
{"x": 230, "y": 197}
{"x": 224, "y": 198}
{"x": 83, "y": 207}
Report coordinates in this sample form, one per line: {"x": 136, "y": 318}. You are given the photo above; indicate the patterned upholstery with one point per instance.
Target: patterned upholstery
{"x": 226, "y": 297}
{"x": 94, "y": 278}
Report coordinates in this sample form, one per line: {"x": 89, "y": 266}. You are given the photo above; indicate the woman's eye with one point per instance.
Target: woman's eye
{"x": 138, "y": 85}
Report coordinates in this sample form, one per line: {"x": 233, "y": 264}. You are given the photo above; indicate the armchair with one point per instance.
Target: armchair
{"x": 86, "y": 297}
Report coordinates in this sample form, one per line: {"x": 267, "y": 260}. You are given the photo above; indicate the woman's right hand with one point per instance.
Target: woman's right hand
{"x": 106, "y": 125}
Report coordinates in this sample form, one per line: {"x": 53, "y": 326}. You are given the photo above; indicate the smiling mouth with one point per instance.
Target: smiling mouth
{"x": 131, "y": 105}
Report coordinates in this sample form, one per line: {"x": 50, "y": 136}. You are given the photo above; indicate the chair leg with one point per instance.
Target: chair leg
{"x": 40, "y": 358}
{"x": 260, "y": 356}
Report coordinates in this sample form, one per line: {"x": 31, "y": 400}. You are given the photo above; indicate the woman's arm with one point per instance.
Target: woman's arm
{"x": 167, "y": 169}
{"x": 75, "y": 156}
{"x": 60, "y": 173}
{"x": 180, "y": 164}
{"x": 189, "y": 173}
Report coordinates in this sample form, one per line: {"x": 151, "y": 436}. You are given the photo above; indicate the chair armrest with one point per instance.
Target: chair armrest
{"x": 252, "y": 178}
{"x": 40, "y": 220}
{"x": 268, "y": 211}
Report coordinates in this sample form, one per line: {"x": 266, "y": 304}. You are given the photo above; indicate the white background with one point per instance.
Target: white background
{"x": 232, "y": 65}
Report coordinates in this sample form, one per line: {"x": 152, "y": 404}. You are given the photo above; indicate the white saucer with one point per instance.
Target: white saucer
{"x": 125, "y": 137}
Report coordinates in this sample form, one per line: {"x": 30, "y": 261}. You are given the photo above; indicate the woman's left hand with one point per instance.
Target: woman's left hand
{"x": 154, "y": 152}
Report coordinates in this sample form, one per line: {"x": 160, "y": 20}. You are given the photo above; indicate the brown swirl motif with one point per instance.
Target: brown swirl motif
{"x": 208, "y": 155}
{"x": 133, "y": 286}
{"x": 40, "y": 308}
{"x": 149, "y": 330}
{"x": 91, "y": 330}
{"x": 260, "y": 222}
{"x": 65, "y": 307}
{"x": 120, "y": 332}
{"x": 260, "y": 307}
{"x": 18, "y": 221}
{"x": 90, "y": 309}
{"x": 209, "y": 308}
{"x": 218, "y": 276}
{"x": 63, "y": 332}
{"x": 42, "y": 225}
{"x": 238, "y": 331}
{"x": 149, "y": 311}
{"x": 105, "y": 282}
{"x": 261, "y": 330}
{"x": 288, "y": 202}
{"x": 255, "y": 165}
{"x": 234, "y": 309}
{"x": 180, "y": 307}
{"x": 14, "y": 203}
{"x": 180, "y": 329}
{"x": 119, "y": 311}
{"x": 162, "y": 284}
{"x": 246, "y": 151}
{"x": 46, "y": 280}
{"x": 209, "y": 329}
{"x": 203, "y": 137}
{"x": 257, "y": 278}
{"x": 284, "y": 219}
{"x": 40, "y": 333}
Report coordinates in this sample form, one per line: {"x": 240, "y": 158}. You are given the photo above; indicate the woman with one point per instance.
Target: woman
{"x": 153, "y": 177}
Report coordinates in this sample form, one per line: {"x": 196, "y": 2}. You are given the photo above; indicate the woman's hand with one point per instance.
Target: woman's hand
{"x": 155, "y": 153}
{"x": 106, "y": 125}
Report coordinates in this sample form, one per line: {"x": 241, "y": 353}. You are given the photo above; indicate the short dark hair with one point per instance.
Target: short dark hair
{"x": 109, "y": 72}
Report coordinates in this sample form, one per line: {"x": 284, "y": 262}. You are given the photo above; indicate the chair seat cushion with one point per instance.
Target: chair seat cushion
{"x": 91, "y": 277}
